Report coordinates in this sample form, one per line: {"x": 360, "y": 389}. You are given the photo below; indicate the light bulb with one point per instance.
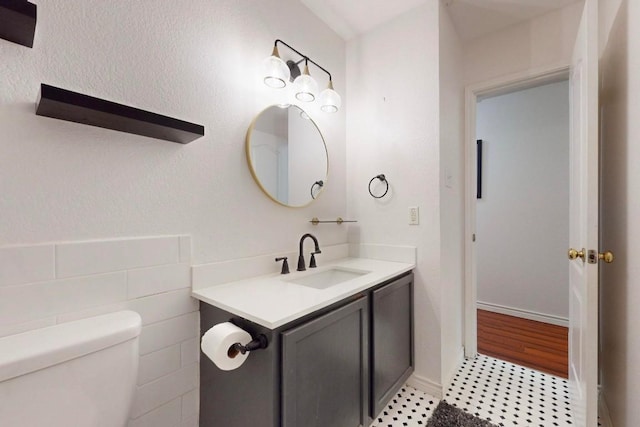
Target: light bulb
{"x": 305, "y": 86}
{"x": 330, "y": 101}
{"x": 275, "y": 71}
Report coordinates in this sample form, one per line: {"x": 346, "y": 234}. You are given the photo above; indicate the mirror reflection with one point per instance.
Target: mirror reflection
{"x": 287, "y": 155}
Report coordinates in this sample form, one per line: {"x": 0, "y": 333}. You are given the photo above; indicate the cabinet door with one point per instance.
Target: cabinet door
{"x": 391, "y": 340}
{"x": 325, "y": 369}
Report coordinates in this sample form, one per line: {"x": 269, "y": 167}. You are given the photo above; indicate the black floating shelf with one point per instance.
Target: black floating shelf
{"x": 18, "y": 21}
{"x": 76, "y": 107}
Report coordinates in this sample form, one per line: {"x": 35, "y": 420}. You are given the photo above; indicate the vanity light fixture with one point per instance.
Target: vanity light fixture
{"x": 276, "y": 72}
{"x": 304, "y": 86}
{"x": 329, "y": 99}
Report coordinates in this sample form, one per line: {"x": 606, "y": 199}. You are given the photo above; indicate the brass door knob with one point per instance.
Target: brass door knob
{"x": 573, "y": 254}
{"x": 606, "y": 256}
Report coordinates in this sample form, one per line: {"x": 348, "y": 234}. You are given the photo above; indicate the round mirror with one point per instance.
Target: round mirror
{"x": 287, "y": 155}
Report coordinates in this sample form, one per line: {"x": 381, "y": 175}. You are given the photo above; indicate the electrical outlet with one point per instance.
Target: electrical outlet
{"x": 414, "y": 215}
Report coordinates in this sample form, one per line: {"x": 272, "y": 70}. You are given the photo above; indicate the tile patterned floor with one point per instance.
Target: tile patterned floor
{"x": 506, "y": 394}
{"x": 410, "y": 407}
{"x": 510, "y": 395}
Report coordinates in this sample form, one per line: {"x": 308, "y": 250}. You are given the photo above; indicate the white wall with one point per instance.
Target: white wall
{"x": 543, "y": 41}
{"x": 607, "y": 14}
{"x": 65, "y": 181}
{"x": 46, "y": 284}
{"x": 522, "y": 219}
{"x": 393, "y": 128}
{"x": 620, "y": 211}
{"x": 62, "y": 181}
{"x": 451, "y": 194}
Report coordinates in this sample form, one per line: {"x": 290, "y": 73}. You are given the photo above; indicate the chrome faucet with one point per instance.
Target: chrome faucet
{"x": 312, "y": 264}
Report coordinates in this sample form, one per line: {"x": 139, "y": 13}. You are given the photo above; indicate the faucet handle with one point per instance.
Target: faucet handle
{"x": 312, "y": 262}
{"x": 285, "y": 265}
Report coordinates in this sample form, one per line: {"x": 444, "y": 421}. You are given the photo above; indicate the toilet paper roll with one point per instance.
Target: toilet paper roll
{"x": 217, "y": 343}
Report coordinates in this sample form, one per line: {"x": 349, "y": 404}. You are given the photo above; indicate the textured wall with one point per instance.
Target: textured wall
{"x": 198, "y": 62}
{"x": 393, "y": 129}
{"x": 543, "y": 41}
{"x": 451, "y": 194}
{"x": 61, "y": 181}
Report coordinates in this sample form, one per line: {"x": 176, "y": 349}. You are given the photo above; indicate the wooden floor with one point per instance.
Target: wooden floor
{"x": 536, "y": 345}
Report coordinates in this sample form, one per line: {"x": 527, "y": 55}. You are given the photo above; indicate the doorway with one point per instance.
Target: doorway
{"x": 517, "y": 173}
{"x": 522, "y": 226}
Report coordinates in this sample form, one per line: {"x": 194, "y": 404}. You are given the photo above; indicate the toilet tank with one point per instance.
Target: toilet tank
{"x": 80, "y": 373}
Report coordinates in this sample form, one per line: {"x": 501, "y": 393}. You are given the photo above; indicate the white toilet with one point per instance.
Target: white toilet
{"x": 76, "y": 374}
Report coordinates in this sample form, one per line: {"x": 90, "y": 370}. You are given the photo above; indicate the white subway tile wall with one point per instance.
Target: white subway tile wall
{"x": 205, "y": 275}
{"x": 158, "y": 364}
{"x": 165, "y": 389}
{"x": 169, "y": 332}
{"x": 185, "y": 249}
{"x": 190, "y": 351}
{"x": 167, "y": 415}
{"x": 391, "y": 253}
{"x": 27, "y": 302}
{"x": 150, "y": 281}
{"x": 190, "y": 422}
{"x": 41, "y": 285}
{"x": 77, "y": 259}
{"x": 18, "y": 328}
{"x": 190, "y": 404}
{"x": 26, "y": 264}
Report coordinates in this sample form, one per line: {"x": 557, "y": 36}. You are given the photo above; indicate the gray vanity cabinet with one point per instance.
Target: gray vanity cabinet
{"x": 335, "y": 367}
{"x": 325, "y": 376}
{"x": 391, "y": 340}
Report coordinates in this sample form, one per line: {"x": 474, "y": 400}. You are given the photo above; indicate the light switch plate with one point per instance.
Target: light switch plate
{"x": 414, "y": 215}
{"x": 448, "y": 178}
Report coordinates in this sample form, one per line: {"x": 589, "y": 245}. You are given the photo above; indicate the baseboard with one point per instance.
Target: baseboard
{"x": 525, "y": 314}
{"x": 448, "y": 377}
{"x": 426, "y": 385}
{"x": 603, "y": 410}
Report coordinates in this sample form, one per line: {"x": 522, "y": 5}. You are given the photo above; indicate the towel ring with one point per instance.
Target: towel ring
{"x": 382, "y": 178}
{"x": 319, "y": 184}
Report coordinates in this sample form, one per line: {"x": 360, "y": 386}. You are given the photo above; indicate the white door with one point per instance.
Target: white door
{"x": 583, "y": 229}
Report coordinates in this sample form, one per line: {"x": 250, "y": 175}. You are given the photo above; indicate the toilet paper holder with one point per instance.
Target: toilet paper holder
{"x": 258, "y": 343}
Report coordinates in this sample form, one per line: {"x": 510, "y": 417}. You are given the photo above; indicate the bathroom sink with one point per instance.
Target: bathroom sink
{"x": 327, "y": 278}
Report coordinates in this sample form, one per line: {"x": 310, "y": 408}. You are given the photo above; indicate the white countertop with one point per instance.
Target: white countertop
{"x": 272, "y": 300}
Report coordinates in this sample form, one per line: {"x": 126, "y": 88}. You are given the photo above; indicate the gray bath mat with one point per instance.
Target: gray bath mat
{"x": 446, "y": 415}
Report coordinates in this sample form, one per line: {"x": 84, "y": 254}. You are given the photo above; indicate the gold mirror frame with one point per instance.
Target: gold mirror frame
{"x": 251, "y": 163}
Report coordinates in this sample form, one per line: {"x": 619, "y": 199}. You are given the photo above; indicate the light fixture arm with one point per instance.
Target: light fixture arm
{"x": 304, "y": 57}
